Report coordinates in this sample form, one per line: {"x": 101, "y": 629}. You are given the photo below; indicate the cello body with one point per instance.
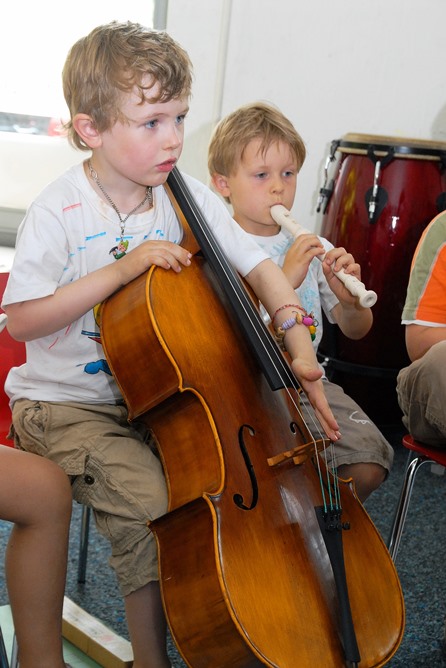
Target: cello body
{"x": 245, "y": 575}
{"x": 240, "y": 587}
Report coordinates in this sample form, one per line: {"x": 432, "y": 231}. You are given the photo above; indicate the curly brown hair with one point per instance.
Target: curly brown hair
{"x": 116, "y": 58}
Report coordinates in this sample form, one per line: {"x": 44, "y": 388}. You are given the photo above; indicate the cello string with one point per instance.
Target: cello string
{"x": 231, "y": 277}
{"x": 309, "y": 417}
{"x": 327, "y": 490}
{"x": 333, "y": 479}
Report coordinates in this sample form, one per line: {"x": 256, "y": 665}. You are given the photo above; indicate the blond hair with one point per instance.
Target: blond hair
{"x": 257, "y": 120}
{"x": 114, "y": 59}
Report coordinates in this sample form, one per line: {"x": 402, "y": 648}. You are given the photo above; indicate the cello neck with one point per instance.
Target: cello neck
{"x": 271, "y": 360}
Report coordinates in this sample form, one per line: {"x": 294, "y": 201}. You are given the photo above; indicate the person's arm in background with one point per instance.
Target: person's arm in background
{"x": 420, "y": 338}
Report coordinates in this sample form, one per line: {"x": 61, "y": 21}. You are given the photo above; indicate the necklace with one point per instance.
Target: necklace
{"x": 120, "y": 250}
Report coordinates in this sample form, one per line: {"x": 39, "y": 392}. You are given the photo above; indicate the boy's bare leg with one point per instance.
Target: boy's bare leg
{"x": 36, "y": 496}
{"x": 147, "y": 627}
{"x": 367, "y": 476}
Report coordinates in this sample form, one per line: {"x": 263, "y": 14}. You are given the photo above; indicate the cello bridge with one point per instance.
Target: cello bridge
{"x": 300, "y": 453}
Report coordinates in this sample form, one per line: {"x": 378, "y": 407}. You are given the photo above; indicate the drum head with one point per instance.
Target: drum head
{"x": 402, "y": 147}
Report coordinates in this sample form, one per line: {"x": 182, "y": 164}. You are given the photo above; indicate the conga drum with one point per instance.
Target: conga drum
{"x": 384, "y": 192}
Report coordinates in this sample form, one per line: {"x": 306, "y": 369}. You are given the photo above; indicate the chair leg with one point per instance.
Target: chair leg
{"x": 14, "y": 653}
{"x": 83, "y": 545}
{"x": 414, "y": 462}
{"x": 3, "y": 656}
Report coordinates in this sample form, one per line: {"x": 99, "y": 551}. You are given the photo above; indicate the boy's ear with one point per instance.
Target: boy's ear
{"x": 86, "y": 130}
{"x": 220, "y": 184}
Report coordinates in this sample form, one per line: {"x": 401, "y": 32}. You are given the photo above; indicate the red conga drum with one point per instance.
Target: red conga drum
{"x": 384, "y": 192}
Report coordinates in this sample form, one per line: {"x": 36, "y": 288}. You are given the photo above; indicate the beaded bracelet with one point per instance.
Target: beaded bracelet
{"x": 307, "y": 319}
{"x": 281, "y": 308}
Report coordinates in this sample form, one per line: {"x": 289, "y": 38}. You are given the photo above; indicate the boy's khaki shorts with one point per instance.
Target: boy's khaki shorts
{"x": 362, "y": 441}
{"x": 113, "y": 469}
{"x": 421, "y": 389}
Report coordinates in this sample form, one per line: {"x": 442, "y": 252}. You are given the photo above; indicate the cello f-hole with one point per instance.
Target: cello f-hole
{"x": 238, "y": 498}
{"x": 295, "y": 428}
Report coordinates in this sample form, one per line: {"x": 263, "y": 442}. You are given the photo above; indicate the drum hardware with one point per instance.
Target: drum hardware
{"x": 441, "y": 199}
{"x": 374, "y": 196}
{"x": 326, "y": 192}
{"x": 332, "y": 364}
{"x": 441, "y": 202}
{"x": 377, "y": 198}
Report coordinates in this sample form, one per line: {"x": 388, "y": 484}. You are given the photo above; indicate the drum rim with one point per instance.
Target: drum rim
{"x": 383, "y": 144}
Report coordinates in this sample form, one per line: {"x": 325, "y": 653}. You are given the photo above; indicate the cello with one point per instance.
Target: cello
{"x": 262, "y": 559}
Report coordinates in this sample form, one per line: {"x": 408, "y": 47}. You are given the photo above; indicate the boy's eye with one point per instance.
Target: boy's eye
{"x": 151, "y": 124}
{"x": 261, "y": 175}
{"x": 180, "y": 119}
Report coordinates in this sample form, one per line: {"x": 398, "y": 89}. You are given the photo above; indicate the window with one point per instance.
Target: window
{"x": 33, "y": 46}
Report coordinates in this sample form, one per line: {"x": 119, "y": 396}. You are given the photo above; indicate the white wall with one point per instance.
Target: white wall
{"x": 332, "y": 66}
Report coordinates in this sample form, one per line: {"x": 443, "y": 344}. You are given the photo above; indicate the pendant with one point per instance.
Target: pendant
{"x": 120, "y": 250}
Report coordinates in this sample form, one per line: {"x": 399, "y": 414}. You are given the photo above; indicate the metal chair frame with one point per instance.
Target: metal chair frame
{"x": 83, "y": 545}
{"x": 419, "y": 454}
{"x": 4, "y": 663}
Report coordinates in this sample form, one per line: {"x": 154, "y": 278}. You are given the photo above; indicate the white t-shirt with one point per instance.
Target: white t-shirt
{"x": 314, "y": 293}
{"x": 69, "y": 232}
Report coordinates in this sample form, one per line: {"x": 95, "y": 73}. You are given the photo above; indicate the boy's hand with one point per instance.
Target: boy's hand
{"x": 335, "y": 259}
{"x": 298, "y": 258}
{"x": 36, "y": 318}
{"x": 165, "y": 254}
{"x": 310, "y": 380}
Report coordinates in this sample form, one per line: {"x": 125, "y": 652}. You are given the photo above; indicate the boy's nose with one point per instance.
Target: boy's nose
{"x": 174, "y": 138}
{"x": 277, "y": 186}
